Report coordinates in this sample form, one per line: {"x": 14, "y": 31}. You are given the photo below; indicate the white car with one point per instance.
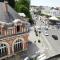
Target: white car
{"x": 41, "y": 57}
{"x": 27, "y": 58}
{"x": 46, "y": 34}
{"x": 45, "y": 27}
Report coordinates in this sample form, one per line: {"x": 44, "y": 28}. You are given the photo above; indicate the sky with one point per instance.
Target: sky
{"x": 51, "y": 3}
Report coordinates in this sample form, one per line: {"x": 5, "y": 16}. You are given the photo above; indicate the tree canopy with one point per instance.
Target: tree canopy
{"x": 11, "y": 3}
{"x": 23, "y": 6}
{"x": 1, "y": 0}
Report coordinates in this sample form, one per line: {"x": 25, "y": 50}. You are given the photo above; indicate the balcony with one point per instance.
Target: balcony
{"x": 19, "y": 33}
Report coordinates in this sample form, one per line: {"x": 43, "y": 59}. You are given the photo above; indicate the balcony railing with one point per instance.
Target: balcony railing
{"x": 2, "y": 36}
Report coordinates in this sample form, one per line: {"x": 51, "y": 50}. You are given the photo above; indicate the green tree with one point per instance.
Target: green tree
{"x": 1, "y": 0}
{"x": 26, "y": 3}
{"x": 24, "y": 6}
{"x": 11, "y": 3}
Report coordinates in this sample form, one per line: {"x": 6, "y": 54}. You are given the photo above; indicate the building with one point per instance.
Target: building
{"x": 54, "y": 12}
{"x": 13, "y": 32}
{"x": 50, "y": 11}
{"x": 34, "y": 8}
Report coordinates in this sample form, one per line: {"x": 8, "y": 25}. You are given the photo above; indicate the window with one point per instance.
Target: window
{"x": 3, "y": 59}
{"x": 9, "y": 31}
{"x": 18, "y": 46}
{"x": 3, "y": 50}
{"x": 55, "y": 37}
{"x": 0, "y": 33}
{"x": 18, "y": 28}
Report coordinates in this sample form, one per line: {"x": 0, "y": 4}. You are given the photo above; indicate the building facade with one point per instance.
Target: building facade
{"x": 13, "y": 32}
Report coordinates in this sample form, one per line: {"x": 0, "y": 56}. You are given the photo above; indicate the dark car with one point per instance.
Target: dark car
{"x": 55, "y": 37}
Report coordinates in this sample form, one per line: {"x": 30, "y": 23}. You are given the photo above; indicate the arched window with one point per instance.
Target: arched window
{"x": 18, "y": 28}
{"x": 3, "y": 50}
{"x": 18, "y": 45}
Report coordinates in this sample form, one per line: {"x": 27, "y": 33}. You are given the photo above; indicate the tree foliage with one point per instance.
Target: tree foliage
{"x": 11, "y": 3}
{"x": 23, "y": 6}
{"x": 1, "y": 0}
{"x": 26, "y": 3}
{"x": 58, "y": 17}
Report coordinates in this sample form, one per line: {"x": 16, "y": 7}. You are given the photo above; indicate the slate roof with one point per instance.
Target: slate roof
{"x": 12, "y": 14}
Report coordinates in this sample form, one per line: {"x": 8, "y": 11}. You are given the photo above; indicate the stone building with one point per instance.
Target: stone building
{"x": 13, "y": 32}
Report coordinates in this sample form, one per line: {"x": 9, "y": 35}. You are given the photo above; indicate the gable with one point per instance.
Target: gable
{"x": 8, "y": 17}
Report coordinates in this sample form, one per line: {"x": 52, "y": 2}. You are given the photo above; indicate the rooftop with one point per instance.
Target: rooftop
{"x": 54, "y": 18}
{"x": 8, "y": 16}
{"x": 22, "y": 14}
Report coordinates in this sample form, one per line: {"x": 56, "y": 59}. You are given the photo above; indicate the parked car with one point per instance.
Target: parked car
{"x": 41, "y": 57}
{"x": 30, "y": 58}
{"x": 55, "y": 37}
{"x": 46, "y": 34}
{"x": 27, "y": 58}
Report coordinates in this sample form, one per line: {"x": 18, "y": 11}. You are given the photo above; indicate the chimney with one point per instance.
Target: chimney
{"x": 6, "y": 6}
